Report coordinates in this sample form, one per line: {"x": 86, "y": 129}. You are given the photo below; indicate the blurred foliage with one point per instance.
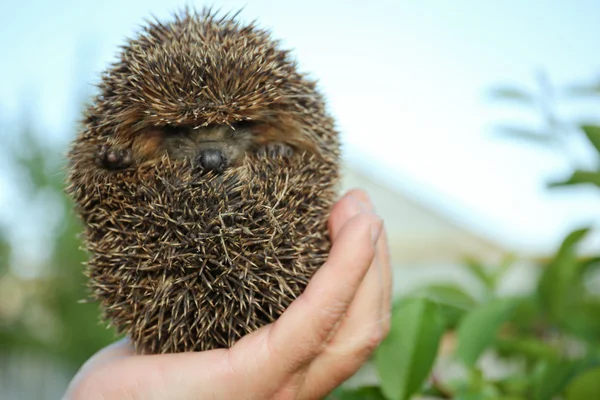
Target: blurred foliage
{"x": 548, "y": 341}
{"x": 42, "y": 312}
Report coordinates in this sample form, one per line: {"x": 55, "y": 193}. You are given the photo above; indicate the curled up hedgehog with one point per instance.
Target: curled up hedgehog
{"x": 204, "y": 175}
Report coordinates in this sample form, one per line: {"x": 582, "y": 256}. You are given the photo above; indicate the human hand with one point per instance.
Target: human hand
{"x": 323, "y": 337}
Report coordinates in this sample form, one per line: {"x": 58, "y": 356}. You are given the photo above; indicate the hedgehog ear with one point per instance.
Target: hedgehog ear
{"x": 288, "y": 131}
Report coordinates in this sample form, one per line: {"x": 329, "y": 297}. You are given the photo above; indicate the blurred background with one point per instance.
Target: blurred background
{"x": 455, "y": 116}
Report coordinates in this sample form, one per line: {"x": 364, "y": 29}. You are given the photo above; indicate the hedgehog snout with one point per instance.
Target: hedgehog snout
{"x": 211, "y": 159}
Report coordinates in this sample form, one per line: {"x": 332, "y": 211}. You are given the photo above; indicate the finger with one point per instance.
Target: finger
{"x": 383, "y": 255}
{"x": 379, "y": 278}
{"x": 348, "y": 206}
{"x": 114, "y": 351}
{"x": 118, "y": 349}
{"x": 361, "y": 328}
{"x": 342, "y": 209}
{"x": 303, "y": 329}
{"x": 108, "y": 354}
{"x": 364, "y": 327}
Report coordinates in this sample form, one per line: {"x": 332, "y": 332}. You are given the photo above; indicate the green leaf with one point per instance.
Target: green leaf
{"x": 583, "y": 320}
{"x": 512, "y": 94}
{"x": 579, "y": 177}
{"x": 406, "y": 356}
{"x": 447, "y": 294}
{"x": 583, "y": 90}
{"x": 593, "y": 134}
{"x": 515, "y": 386}
{"x": 585, "y": 386}
{"x": 477, "y": 387}
{"x": 510, "y": 397}
{"x": 559, "y": 277}
{"x": 502, "y": 269}
{"x": 364, "y": 393}
{"x": 532, "y": 349}
{"x": 478, "y": 328}
{"x": 471, "y": 396}
{"x": 453, "y": 301}
{"x": 550, "y": 379}
{"x": 590, "y": 263}
{"x": 524, "y": 134}
{"x": 479, "y": 271}
{"x": 5, "y": 253}
{"x": 527, "y": 315}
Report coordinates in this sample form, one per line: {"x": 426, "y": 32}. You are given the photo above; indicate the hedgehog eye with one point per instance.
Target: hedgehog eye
{"x": 173, "y": 130}
{"x": 241, "y": 125}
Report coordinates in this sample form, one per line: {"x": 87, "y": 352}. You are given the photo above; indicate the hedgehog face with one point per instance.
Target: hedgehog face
{"x": 212, "y": 148}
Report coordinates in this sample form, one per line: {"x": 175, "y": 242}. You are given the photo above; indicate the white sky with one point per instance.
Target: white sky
{"x": 406, "y": 81}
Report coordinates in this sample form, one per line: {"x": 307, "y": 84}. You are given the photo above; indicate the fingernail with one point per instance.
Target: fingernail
{"x": 355, "y": 205}
{"x": 376, "y": 229}
{"x": 363, "y": 201}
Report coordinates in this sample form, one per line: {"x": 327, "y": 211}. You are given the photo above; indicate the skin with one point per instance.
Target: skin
{"x": 323, "y": 338}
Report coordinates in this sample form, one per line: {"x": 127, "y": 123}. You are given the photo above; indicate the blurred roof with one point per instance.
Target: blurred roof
{"x": 419, "y": 234}
{"x": 425, "y": 227}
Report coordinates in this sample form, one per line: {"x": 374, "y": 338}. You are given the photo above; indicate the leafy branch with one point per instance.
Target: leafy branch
{"x": 547, "y": 342}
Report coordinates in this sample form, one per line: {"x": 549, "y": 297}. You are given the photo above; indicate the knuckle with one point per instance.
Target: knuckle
{"x": 386, "y": 325}
{"x": 374, "y": 339}
{"x": 360, "y": 344}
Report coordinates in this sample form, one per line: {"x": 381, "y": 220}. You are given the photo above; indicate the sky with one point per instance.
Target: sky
{"x": 405, "y": 80}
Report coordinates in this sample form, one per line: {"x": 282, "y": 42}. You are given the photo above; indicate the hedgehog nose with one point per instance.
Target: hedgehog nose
{"x": 211, "y": 159}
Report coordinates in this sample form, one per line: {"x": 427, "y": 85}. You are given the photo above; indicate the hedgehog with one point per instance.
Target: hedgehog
{"x": 204, "y": 174}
